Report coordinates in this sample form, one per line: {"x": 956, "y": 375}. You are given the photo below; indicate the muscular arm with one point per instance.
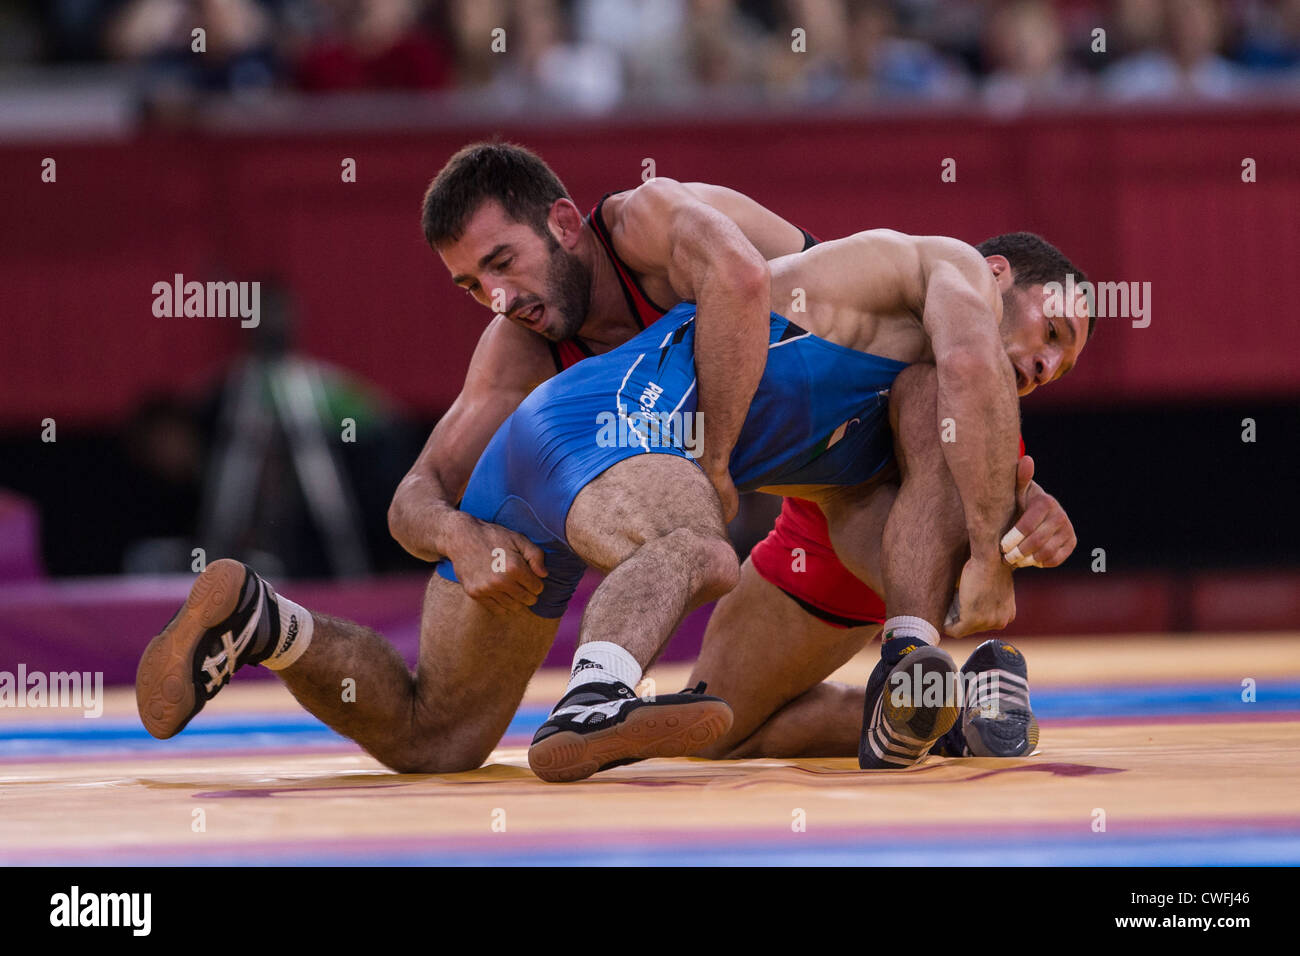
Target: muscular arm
{"x": 664, "y": 229}
{"x": 423, "y": 514}
{"x": 423, "y": 517}
{"x": 771, "y": 235}
{"x": 977, "y": 388}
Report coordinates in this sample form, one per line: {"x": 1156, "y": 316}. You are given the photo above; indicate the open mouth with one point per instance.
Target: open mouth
{"x": 532, "y": 316}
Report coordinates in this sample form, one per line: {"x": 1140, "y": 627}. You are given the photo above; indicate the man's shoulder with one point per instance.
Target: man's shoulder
{"x": 947, "y": 249}
{"x": 650, "y": 200}
{"x": 903, "y": 242}
{"x": 918, "y": 257}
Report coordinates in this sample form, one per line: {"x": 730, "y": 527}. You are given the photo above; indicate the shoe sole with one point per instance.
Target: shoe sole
{"x": 165, "y": 694}
{"x": 989, "y": 737}
{"x": 924, "y": 721}
{"x": 671, "y": 730}
{"x": 1012, "y": 732}
{"x": 927, "y": 723}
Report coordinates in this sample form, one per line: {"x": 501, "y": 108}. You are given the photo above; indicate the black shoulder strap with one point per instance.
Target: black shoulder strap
{"x": 602, "y": 233}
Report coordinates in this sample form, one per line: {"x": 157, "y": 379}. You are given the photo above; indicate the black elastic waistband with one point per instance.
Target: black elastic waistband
{"x": 825, "y": 615}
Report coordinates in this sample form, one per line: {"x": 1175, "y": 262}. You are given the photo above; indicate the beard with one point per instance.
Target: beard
{"x": 568, "y": 289}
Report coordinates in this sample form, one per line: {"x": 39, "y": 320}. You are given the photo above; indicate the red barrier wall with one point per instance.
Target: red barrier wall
{"x": 1133, "y": 197}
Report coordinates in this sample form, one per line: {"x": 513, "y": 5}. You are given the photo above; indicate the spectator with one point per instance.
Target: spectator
{"x": 1270, "y": 40}
{"x": 1189, "y": 63}
{"x": 896, "y": 66}
{"x": 646, "y": 35}
{"x": 1025, "y": 47}
{"x": 237, "y": 56}
{"x": 471, "y": 24}
{"x": 724, "y": 48}
{"x": 372, "y": 44}
{"x": 820, "y": 71}
{"x": 561, "y": 69}
{"x": 1139, "y": 26}
{"x": 593, "y": 55}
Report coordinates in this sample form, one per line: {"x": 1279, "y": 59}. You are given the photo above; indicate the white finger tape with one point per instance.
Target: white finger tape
{"x": 1011, "y": 539}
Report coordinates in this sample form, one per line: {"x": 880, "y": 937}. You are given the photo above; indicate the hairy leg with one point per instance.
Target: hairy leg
{"x": 906, "y": 541}
{"x": 925, "y": 539}
{"x": 654, "y": 523}
{"x": 768, "y": 658}
{"x": 915, "y": 559}
{"x": 472, "y": 672}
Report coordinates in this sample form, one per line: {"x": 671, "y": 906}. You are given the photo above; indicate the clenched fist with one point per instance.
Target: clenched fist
{"x": 497, "y": 567}
{"x": 985, "y": 599}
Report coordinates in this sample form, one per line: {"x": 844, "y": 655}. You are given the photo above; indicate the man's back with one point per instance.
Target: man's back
{"x": 867, "y": 291}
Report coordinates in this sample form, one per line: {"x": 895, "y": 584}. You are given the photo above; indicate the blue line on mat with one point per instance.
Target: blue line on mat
{"x": 216, "y": 732}
{"x": 1230, "y": 846}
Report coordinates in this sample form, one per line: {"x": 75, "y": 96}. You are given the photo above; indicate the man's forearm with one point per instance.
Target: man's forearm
{"x": 979, "y": 425}
{"x": 421, "y": 517}
{"x": 730, "y": 354}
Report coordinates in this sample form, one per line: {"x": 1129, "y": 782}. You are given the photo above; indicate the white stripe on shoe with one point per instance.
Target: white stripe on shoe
{"x": 890, "y": 745}
{"x": 222, "y": 666}
{"x": 1001, "y": 687}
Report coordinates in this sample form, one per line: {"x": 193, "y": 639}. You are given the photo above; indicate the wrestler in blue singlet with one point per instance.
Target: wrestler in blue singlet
{"x": 820, "y": 417}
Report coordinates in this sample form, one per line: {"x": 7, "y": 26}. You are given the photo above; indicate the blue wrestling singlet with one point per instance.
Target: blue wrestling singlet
{"x": 820, "y": 417}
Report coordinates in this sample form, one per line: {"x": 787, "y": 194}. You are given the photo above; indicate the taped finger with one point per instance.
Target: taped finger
{"x": 1011, "y": 539}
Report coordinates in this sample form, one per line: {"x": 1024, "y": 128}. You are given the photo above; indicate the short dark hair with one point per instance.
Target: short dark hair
{"x": 1034, "y": 260}
{"x": 514, "y": 176}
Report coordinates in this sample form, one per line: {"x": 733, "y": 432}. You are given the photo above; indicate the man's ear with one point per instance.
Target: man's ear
{"x": 1001, "y": 268}
{"x": 565, "y": 223}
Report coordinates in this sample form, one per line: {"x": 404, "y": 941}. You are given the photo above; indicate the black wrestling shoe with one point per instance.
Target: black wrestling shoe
{"x": 996, "y": 720}
{"x": 601, "y": 725}
{"x": 229, "y": 612}
{"x": 913, "y": 698}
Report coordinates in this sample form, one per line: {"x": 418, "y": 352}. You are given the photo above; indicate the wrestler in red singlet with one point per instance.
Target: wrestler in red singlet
{"x": 824, "y": 587}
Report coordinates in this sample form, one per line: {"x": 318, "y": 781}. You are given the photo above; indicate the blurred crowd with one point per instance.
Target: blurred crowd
{"x": 596, "y": 55}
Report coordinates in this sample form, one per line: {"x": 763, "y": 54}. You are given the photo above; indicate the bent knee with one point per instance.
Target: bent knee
{"x": 715, "y": 567}
{"x": 437, "y": 753}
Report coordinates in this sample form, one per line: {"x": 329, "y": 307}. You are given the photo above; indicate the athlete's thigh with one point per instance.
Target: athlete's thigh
{"x": 855, "y": 520}
{"x": 761, "y": 650}
{"x": 639, "y": 499}
{"x": 475, "y": 665}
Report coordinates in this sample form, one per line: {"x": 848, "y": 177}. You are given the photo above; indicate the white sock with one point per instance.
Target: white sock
{"x": 603, "y": 661}
{"x": 916, "y": 629}
{"x": 296, "y": 626}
